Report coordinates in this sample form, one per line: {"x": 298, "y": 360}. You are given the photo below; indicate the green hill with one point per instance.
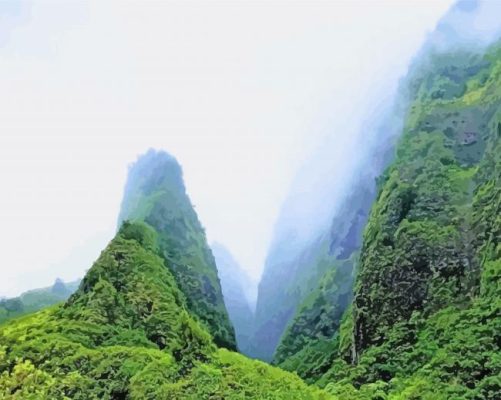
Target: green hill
{"x": 36, "y": 299}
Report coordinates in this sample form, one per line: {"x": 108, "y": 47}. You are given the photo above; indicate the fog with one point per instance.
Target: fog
{"x": 469, "y": 24}
{"x": 245, "y": 95}
{"x": 355, "y": 143}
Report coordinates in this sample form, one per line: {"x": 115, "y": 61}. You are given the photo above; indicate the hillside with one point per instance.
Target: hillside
{"x": 36, "y": 299}
{"x": 127, "y": 334}
{"x": 425, "y": 320}
{"x": 431, "y": 255}
{"x": 442, "y": 95}
{"x": 289, "y": 283}
{"x": 155, "y": 194}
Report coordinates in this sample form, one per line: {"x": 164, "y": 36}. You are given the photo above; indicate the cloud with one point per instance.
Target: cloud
{"x": 240, "y": 93}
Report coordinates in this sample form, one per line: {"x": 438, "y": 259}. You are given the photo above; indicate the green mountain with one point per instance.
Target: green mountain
{"x": 34, "y": 300}
{"x": 426, "y": 314}
{"x": 129, "y": 331}
{"x": 127, "y": 334}
{"x": 310, "y": 325}
{"x": 155, "y": 194}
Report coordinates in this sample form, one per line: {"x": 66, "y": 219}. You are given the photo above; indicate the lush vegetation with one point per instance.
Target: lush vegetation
{"x": 426, "y": 316}
{"x": 310, "y": 341}
{"x": 155, "y": 194}
{"x": 36, "y": 299}
{"x": 127, "y": 334}
{"x": 400, "y": 299}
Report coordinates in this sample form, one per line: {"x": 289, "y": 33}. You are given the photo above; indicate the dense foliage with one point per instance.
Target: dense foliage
{"x": 155, "y": 194}
{"x": 126, "y": 334}
{"x": 426, "y": 317}
{"x": 310, "y": 341}
{"x": 395, "y": 302}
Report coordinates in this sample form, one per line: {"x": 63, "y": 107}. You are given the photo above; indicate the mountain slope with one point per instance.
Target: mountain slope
{"x": 313, "y": 338}
{"x": 319, "y": 315}
{"x": 155, "y": 194}
{"x": 427, "y": 314}
{"x": 236, "y": 288}
{"x": 126, "y": 334}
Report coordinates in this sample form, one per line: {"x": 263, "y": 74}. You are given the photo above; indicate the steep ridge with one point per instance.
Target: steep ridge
{"x": 127, "y": 333}
{"x": 236, "y": 286}
{"x": 426, "y": 315}
{"x": 155, "y": 194}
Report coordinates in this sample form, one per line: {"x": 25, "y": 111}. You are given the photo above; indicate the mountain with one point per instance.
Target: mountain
{"x": 425, "y": 320}
{"x": 237, "y": 292}
{"x": 302, "y": 330}
{"x": 425, "y": 317}
{"x": 36, "y": 299}
{"x": 155, "y": 193}
{"x": 129, "y": 332}
{"x": 318, "y": 233}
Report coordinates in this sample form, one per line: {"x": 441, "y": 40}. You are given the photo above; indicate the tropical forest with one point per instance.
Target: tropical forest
{"x": 381, "y": 275}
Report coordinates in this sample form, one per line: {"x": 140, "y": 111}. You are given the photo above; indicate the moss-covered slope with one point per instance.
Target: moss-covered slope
{"x": 155, "y": 193}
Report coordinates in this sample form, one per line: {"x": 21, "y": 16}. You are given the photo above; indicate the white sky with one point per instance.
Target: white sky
{"x": 241, "y": 93}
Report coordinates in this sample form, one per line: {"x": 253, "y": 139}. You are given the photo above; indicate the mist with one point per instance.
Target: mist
{"x": 357, "y": 143}
{"x": 239, "y": 293}
{"x": 245, "y": 95}
{"x": 322, "y": 219}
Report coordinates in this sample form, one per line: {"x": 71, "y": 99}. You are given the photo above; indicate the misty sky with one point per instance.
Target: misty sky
{"x": 241, "y": 93}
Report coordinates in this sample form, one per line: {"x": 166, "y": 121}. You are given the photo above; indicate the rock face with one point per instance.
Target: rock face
{"x": 155, "y": 194}
{"x": 237, "y": 292}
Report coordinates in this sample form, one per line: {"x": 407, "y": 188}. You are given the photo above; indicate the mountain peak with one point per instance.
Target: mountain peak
{"x": 155, "y": 194}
